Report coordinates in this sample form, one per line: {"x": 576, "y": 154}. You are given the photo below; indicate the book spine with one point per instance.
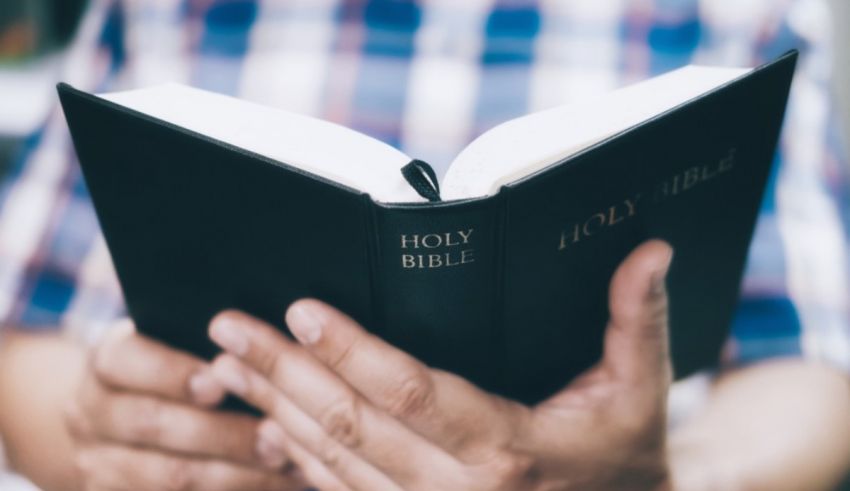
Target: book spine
{"x": 436, "y": 275}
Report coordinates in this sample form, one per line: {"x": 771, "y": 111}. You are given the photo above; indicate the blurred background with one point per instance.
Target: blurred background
{"x": 34, "y": 33}
{"x": 842, "y": 79}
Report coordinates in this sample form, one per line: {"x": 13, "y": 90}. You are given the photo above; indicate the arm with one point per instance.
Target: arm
{"x": 782, "y": 425}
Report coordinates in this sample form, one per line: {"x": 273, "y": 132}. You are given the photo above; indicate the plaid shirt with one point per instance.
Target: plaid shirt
{"x": 428, "y": 77}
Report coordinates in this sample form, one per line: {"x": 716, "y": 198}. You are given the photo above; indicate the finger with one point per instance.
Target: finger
{"x": 146, "y": 421}
{"x": 314, "y": 472}
{"x": 331, "y": 422}
{"x": 122, "y": 468}
{"x": 636, "y": 339}
{"x": 128, "y": 361}
{"x": 445, "y": 409}
{"x": 318, "y": 447}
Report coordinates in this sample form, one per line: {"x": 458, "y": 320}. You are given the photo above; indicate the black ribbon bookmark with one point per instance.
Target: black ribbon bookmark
{"x": 422, "y": 179}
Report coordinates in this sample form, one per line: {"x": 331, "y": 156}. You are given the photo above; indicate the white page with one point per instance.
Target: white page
{"x": 320, "y": 147}
{"x": 525, "y": 145}
{"x": 504, "y": 154}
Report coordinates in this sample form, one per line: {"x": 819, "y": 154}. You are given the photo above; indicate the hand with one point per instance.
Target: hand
{"x": 357, "y": 414}
{"x": 142, "y": 419}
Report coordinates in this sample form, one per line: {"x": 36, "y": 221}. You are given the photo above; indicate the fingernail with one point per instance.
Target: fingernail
{"x": 270, "y": 446}
{"x": 304, "y": 323}
{"x": 204, "y": 388}
{"x": 228, "y": 335}
{"x": 657, "y": 284}
{"x": 231, "y": 377}
{"x": 659, "y": 277}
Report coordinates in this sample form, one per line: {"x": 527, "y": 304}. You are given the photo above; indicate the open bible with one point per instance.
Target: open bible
{"x": 498, "y": 271}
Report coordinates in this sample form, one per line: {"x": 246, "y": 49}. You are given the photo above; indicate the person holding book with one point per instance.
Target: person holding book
{"x": 426, "y": 77}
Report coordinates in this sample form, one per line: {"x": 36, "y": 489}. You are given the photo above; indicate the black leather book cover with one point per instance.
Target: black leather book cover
{"x": 509, "y": 290}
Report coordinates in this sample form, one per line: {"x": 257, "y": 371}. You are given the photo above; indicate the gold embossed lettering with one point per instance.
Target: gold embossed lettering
{"x": 407, "y": 240}
{"x": 432, "y": 241}
{"x": 467, "y": 256}
{"x": 593, "y": 224}
{"x": 443, "y": 249}
{"x": 691, "y": 178}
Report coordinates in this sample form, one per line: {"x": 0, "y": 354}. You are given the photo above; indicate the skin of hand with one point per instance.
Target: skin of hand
{"x": 354, "y": 413}
{"x": 778, "y": 426}
{"x": 143, "y": 418}
{"x": 32, "y": 394}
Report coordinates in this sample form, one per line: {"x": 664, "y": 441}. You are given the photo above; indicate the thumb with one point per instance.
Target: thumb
{"x": 636, "y": 338}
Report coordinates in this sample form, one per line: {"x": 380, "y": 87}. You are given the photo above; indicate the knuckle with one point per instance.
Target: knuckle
{"x": 412, "y": 396}
{"x": 330, "y": 454}
{"x": 341, "y": 358}
{"x": 341, "y": 421}
{"x": 509, "y": 471}
{"x": 177, "y": 475}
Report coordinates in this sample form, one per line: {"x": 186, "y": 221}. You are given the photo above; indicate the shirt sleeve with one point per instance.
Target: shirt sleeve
{"x": 795, "y": 291}
{"x": 55, "y": 271}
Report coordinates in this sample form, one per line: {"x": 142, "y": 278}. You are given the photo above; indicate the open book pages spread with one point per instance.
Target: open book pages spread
{"x": 504, "y": 154}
